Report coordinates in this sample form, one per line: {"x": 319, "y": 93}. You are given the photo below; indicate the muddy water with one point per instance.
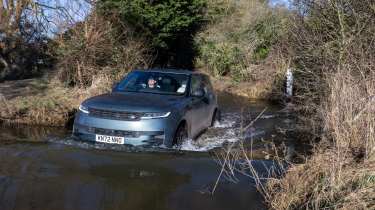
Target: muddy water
{"x": 43, "y": 168}
{"x": 238, "y": 113}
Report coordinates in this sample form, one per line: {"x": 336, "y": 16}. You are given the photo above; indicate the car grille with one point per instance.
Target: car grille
{"x": 110, "y": 132}
{"x": 115, "y": 115}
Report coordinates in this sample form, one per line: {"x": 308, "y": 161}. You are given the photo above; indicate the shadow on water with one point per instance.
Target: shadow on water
{"x": 43, "y": 168}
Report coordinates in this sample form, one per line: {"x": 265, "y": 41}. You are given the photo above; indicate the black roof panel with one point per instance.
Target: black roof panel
{"x": 177, "y": 71}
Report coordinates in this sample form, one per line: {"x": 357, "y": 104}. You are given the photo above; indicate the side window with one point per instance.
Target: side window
{"x": 207, "y": 84}
{"x": 196, "y": 83}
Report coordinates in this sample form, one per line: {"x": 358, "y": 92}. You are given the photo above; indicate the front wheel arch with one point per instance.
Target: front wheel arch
{"x": 182, "y": 127}
{"x": 216, "y": 116}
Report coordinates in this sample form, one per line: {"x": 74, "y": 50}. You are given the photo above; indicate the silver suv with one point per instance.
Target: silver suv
{"x": 158, "y": 106}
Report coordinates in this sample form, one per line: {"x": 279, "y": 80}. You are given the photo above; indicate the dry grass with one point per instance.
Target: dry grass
{"x": 252, "y": 90}
{"x": 336, "y": 100}
{"x": 229, "y": 46}
{"x": 90, "y": 56}
{"x": 341, "y": 172}
{"x": 325, "y": 182}
{"x": 99, "y": 45}
{"x": 54, "y": 106}
{"x": 332, "y": 44}
{"x": 268, "y": 86}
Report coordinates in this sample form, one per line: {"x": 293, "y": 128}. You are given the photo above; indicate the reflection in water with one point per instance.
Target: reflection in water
{"x": 50, "y": 176}
{"x": 22, "y": 133}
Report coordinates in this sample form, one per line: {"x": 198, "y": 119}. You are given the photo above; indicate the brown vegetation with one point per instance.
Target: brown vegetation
{"x": 333, "y": 47}
{"x": 99, "y": 46}
{"x": 17, "y": 41}
{"x": 341, "y": 173}
{"x": 91, "y": 56}
{"x": 52, "y": 105}
{"x": 237, "y": 46}
{"x": 26, "y": 47}
{"x": 331, "y": 44}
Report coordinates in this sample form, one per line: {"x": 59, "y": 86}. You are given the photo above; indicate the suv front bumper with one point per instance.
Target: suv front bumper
{"x": 142, "y": 132}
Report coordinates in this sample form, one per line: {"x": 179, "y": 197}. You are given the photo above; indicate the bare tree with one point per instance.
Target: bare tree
{"x": 25, "y": 25}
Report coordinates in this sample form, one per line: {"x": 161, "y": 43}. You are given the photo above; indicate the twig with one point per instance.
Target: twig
{"x": 231, "y": 166}
{"x": 252, "y": 122}
{"x": 222, "y": 169}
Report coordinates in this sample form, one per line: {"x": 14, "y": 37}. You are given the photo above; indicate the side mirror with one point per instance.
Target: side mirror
{"x": 198, "y": 93}
{"x": 114, "y": 87}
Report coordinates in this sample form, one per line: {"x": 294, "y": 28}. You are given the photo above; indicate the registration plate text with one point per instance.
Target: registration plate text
{"x": 110, "y": 139}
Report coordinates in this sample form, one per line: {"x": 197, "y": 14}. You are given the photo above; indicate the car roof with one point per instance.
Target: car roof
{"x": 165, "y": 70}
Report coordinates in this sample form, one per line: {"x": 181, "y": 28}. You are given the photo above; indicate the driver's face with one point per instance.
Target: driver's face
{"x": 151, "y": 83}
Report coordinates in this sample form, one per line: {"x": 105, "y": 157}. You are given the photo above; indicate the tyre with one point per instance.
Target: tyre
{"x": 181, "y": 135}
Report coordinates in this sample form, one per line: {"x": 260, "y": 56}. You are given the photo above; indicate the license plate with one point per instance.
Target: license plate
{"x": 110, "y": 139}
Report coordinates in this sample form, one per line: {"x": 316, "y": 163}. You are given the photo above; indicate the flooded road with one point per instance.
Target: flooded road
{"x": 43, "y": 168}
{"x": 59, "y": 177}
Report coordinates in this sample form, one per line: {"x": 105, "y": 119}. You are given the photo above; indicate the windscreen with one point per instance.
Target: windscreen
{"x": 154, "y": 82}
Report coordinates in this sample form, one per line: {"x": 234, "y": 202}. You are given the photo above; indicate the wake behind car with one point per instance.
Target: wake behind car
{"x": 158, "y": 106}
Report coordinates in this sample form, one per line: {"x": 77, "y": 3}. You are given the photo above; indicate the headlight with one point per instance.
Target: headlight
{"x": 153, "y": 115}
{"x": 83, "y": 109}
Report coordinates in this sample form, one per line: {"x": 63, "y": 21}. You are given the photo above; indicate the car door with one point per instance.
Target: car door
{"x": 198, "y": 106}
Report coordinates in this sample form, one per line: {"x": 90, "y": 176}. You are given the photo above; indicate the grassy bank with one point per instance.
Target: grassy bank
{"x": 47, "y": 102}
{"x": 239, "y": 45}
{"x": 89, "y": 58}
{"x": 330, "y": 46}
{"x": 341, "y": 172}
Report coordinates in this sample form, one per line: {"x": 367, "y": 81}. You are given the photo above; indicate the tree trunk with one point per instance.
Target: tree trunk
{"x": 3, "y": 71}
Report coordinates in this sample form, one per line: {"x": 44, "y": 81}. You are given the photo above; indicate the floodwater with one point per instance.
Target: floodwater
{"x": 44, "y": 169}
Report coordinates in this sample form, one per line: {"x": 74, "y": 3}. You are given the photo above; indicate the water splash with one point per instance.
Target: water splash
{"x": 207, "y": 143}
{"x": 220, "y": 133}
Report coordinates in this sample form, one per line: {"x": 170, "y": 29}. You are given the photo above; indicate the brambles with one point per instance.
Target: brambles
{"x": 239, "y": 39}
{"x": 332, "y": 46}
{"x": 99, "y": 46}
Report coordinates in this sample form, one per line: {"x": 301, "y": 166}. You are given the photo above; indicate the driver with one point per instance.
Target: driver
{"x": 152, "y": 83}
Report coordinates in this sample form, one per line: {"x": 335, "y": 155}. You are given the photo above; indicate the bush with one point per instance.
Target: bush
{"x": 221, "y": 58}
{"x": 333, "y": 49}
{"x": 25, "y": 38}
{"x": 15, "y": 49}
{"x": 168, "y": 25}
{"x": 241, "y": 34}
{"x": 267, "y": 32}
{"x": 323, "y": 39}
{"x": 99, "y": 46}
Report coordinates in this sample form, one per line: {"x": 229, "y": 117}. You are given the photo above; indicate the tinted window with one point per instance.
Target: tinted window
{"x": 196, "y": 83}
{"x": 154, "y": 82}
{"x": 207, "y": 83}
